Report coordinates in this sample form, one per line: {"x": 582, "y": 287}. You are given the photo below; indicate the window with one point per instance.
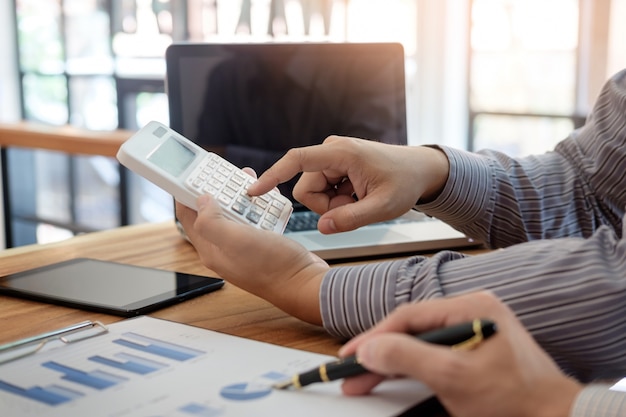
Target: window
{"x": 513, "y": 75}
{"x": 98, "y": 64}
{"x": 536, "y": 67}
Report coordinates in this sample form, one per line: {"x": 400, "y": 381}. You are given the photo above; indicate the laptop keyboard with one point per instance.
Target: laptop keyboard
{"x": 301, "y": 221}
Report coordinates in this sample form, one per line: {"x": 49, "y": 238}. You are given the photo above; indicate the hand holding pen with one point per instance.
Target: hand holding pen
{"x": 461, "y": 336}
{"x": 507, "y": 375}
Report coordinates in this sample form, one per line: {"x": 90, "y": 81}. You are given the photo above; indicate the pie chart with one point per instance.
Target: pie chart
{"x": 245, "y": 391}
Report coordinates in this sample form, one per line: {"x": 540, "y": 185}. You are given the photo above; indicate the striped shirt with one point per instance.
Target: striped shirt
{"x": 558, "y": 220}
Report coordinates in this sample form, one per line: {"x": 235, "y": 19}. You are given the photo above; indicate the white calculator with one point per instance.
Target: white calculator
{"x": 186, "y": 171}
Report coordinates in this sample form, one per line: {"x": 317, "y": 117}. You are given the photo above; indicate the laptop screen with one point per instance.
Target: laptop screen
{"x": 250, "y": 103}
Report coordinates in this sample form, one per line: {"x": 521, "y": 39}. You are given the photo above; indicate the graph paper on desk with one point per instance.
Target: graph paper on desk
{"x": 152, "y": 367}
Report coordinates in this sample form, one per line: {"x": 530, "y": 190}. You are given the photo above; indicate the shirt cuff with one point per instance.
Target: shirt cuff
{"x": 597, "y": 400}
{"x": 354, "y": 298}
{"x": 470, "y": 174}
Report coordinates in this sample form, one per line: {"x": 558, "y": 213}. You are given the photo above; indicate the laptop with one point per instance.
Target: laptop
{"x": 250, "y": 103}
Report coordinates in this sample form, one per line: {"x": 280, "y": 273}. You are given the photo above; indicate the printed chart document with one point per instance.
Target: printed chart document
{"x": 150, "y": 367}
{"x": 620, "y": 385}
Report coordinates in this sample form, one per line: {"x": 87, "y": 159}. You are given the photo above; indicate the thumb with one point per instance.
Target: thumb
{"x": 207, "y": 205}
{"x": 210, "y": 216}
{"x": 350, "y": 215}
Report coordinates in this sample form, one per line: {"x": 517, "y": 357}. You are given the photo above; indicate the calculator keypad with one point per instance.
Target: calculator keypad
{"x": 228, "y": 184}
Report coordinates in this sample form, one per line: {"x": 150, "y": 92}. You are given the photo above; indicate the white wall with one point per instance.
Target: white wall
{"x": 9, "y": 91}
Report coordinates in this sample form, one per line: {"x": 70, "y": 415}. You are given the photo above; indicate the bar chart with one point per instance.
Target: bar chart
{"x": 57, "y": 393}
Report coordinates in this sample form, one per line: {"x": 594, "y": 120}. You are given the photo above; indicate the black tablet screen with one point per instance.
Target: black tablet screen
{"x": 106, "y": 286}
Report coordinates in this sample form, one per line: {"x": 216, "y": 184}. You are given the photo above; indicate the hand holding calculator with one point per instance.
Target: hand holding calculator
{"x": 186, "y": 171}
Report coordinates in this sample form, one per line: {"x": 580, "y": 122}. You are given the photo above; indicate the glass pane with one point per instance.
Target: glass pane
{"x": 47, "y": 233}
{"x": 148, "y": 203}
{"x": 383, "y": 20}
{"x": 45, "y": 98}
{"x": 141, "y": 28}
{"x": 524, "y": 56}
{"x": 617, "y": 38}
{"x": 524, "y": 83}
{"x": 151, "y": 106}
{"x": 39, "y": 36}
{"x": 53, "y": 192}
{"x": 87, "y": 37}
{"x": 519, "y": 136}
{"x": 96, "y": 202}
{"x": 296, "y": 20}
{"x": 93, "y": 103}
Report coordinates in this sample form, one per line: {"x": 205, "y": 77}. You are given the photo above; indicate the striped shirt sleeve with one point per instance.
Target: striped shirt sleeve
{"x": 571, "y": 191}
{"x": 598, "y": 401}
{"x": 559, "y": 217}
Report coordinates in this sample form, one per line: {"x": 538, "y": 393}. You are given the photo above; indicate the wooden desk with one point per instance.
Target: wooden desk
{"x": 228, "y": 310}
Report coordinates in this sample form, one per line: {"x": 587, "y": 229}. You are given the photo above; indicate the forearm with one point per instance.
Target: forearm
{"x": 572, "y": 287}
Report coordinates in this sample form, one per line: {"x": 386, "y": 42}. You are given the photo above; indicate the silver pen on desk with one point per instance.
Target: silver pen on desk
{"x": 64, "y": 335}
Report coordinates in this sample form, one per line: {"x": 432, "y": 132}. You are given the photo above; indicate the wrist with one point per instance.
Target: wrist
{"x": 299, "y": 293}
{"x": 436, "y": 172}
{"x": 559, "y": 399}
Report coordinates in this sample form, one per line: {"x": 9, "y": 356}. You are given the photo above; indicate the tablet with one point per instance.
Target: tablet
{"x": 106, "y": 287}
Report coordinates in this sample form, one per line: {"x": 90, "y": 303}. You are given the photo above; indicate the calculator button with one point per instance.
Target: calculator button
{"x": 215, "y": 183}
{"x": 257, "y": 210}
{"x": 278, "y": 204}
{"x": 224, "y": 199}
{"x": 274, "y": 211}
{"x": 271, "y": 218}
{"x": 265, "y": 198}
{"x": 253, "y": 217}
{"x": 209, "y": 189}
{"x": 233, "y": 185}
{"x": 224, "y": 171}
{"x": 267, "y": 225}
{"x": 244, "y": 200}
{"x": 260, "y": 203}
{"x": 229, "y": 192}
{"x": 238, "y": 207}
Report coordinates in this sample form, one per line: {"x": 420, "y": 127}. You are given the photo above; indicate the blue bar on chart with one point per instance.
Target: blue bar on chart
{"x": 50, "y": 395}
{"x": 94, "y": 379}
{"x": 130, "y": 363}
{"x": 158, "y": 347}
{"x": 201, "y": 410}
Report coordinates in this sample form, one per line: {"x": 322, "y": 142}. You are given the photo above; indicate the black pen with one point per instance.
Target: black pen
{"x": 461, "y": 336}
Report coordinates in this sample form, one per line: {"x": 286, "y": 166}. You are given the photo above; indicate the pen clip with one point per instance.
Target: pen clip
{"x": 473, "y": 341}
{"x": 20, "y": 348}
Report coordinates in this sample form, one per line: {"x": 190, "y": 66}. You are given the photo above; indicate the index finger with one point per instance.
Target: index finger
{"x": 296, "y": 160}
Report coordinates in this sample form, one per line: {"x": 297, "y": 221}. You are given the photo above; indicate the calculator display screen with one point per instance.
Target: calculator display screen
{"x": 172, "y": 156}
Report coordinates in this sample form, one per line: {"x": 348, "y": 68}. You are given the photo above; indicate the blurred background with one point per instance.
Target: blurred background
{"x": 512, "y": 75}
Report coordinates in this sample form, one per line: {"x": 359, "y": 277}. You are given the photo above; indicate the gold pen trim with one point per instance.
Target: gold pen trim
{"x": 324, "y": 373}
{"x": 295, "y": 381}
{"x": 472, "y": 342}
